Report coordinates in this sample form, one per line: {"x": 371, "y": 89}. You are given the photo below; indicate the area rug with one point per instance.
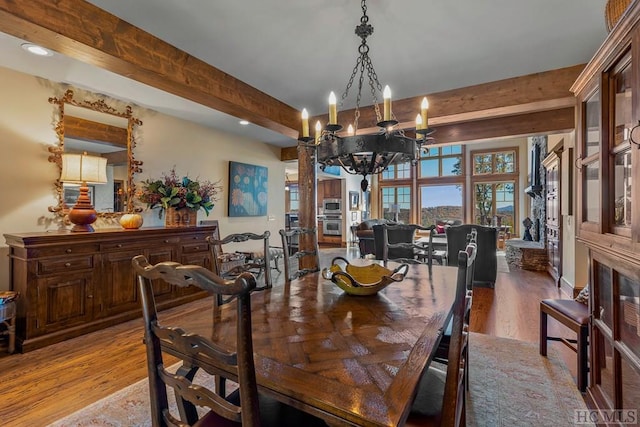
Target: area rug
{"x": 128, "y": 407}
{"x": 510, "y": 385}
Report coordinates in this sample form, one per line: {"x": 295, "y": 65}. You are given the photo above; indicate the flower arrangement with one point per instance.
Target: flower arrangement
{"x": 184, "y": 193}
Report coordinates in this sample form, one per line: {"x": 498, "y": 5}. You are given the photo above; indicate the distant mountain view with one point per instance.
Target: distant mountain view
{"x": 505, "y": 210}
{"x": 430, "y": 215}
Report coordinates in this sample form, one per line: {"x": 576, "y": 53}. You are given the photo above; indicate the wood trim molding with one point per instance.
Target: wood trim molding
{"x": 85, "y": 32}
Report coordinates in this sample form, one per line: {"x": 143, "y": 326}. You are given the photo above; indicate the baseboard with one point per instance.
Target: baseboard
{"x": 568, "y": 289}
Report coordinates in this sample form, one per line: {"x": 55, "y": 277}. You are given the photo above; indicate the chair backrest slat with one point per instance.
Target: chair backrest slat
{"x": 259, "y": 264}
{"x": 197, "y": 352}
{"x": 297, "y": 262}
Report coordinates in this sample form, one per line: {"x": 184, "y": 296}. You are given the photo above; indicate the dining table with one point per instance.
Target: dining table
{"x": 350, "y": 360}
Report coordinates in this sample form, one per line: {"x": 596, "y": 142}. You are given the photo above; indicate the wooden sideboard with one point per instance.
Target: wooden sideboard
{"x": 74, "y": 283}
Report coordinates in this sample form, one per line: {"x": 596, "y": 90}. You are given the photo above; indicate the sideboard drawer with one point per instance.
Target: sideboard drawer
{"x": 137, "y": 244}
{"x": 195, "y": 247}
{"x": 59, "y": 265}
{"x": 47, "y": 251}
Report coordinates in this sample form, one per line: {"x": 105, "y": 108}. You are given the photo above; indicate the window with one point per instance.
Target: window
{"x": 494, "y": 203}
{"x": 494, "y": 187}
{"x": 494, "y": 163}
{"x": 438, "y": 182}
{"x": 440, "y": 161}
{"x": 294, "y": 198}
{"x": 396, "y": 203}
{"x": 398, "y": 171}
{"x": 440, "y": 203}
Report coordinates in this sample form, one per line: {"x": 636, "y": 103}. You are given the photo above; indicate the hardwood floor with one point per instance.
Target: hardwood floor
{"x": 46, "y": 384}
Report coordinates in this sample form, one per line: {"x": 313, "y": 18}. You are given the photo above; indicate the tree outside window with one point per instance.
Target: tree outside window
{"x": 494, "y": 187}
{"x": 497, "y": 200}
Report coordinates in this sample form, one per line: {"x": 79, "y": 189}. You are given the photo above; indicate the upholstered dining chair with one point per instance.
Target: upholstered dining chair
{"x": 487, "y": 242}
{"x": 252, "y": 260}
{"x": 243, "y": 407}
{"x": 292, "y": 240}
{"x": 441, "y": 396}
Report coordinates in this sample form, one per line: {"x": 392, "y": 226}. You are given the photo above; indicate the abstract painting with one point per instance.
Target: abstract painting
{"x": 248, "y": 189}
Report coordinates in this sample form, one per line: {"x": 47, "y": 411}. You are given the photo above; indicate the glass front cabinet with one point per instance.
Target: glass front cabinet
{"x": 608, "y": 211}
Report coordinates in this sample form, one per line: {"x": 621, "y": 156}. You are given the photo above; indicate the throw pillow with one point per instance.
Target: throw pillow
{"x": 583, "y": 296}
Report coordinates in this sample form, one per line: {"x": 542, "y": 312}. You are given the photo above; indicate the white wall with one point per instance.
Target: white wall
{"x": 26, "y": 130}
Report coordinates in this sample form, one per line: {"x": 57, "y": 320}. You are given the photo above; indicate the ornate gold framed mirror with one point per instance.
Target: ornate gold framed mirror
{"x": 92, "y": 126}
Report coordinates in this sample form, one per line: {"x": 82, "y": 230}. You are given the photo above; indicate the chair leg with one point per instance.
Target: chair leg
{"x": 543, "y": 333}
{"x": 583, "y": 363}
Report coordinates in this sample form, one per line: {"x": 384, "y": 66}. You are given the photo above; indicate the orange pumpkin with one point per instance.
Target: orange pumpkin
{"x": 131, "y": 221}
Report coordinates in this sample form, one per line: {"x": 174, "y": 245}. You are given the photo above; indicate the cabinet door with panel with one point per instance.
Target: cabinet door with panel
{"x": 62, "y": 301}
{"x": 161, "y": 289}
{"x": 194, "y": 250}
{"x": 119, "y": 287}
{"x": 333, "y": 189}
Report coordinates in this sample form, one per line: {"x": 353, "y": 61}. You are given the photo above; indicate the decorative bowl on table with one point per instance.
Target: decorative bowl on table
{"x": 362, "y": 280}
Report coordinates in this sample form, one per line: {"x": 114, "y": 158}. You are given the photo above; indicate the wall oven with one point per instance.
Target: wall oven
{"x": 332, "y": 206}
{"x": 332, "y": 225}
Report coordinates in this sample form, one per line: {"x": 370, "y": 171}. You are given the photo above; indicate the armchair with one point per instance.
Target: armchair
{"x": 364, "y": 233}
{"x": 487, "y": 240}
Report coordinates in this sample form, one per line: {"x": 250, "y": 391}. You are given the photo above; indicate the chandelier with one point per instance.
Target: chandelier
{"x": 365, "y": 154}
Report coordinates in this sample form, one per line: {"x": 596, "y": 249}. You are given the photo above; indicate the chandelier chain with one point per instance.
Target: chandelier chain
{"x": 363, "y": 63}
{"x": 367, "y": 153}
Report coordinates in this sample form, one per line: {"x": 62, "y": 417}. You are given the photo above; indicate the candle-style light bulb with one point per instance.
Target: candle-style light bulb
{"x": 386, "y": 95}
{"x": 350, "y": 130}
{"x": 418, "y": 122}
{"x": 318, "y": 131}
{"x": 423, "y": 112}
{"x": 305, "y": 123}
{"x": 333, "y": 109}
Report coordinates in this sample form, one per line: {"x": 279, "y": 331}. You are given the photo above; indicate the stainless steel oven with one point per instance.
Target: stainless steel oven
{"x": 332, "y": 206}
{"x": 332, "y": 225}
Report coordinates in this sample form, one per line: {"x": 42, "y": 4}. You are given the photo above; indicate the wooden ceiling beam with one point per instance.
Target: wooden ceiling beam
{"x": 527, "y": 124}
{"x": 503, "y": 97}
{"x": 87, "y": 33}
{"x": 530, "y": 124}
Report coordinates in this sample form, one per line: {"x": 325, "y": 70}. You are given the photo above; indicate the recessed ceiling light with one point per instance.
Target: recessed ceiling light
{"x": 244, "y": 122}
{"x": 36, "y": 50}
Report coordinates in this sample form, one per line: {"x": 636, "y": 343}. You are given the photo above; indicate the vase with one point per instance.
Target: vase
{"x": 180, "y": 218}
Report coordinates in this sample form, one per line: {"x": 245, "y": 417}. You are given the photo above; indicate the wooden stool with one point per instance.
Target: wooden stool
{"x": 575, "y": 316}
{"x": 8, "y": 317}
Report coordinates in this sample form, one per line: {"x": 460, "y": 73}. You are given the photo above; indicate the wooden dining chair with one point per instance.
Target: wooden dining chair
{"x": 242, "y": 407}
{"x": 442, "y": 351}
{"x": 252, "y": 260}
{"x": 298, "y": 263}
{"x": 441, "y": 396}
{"x": 399, "y": 244}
